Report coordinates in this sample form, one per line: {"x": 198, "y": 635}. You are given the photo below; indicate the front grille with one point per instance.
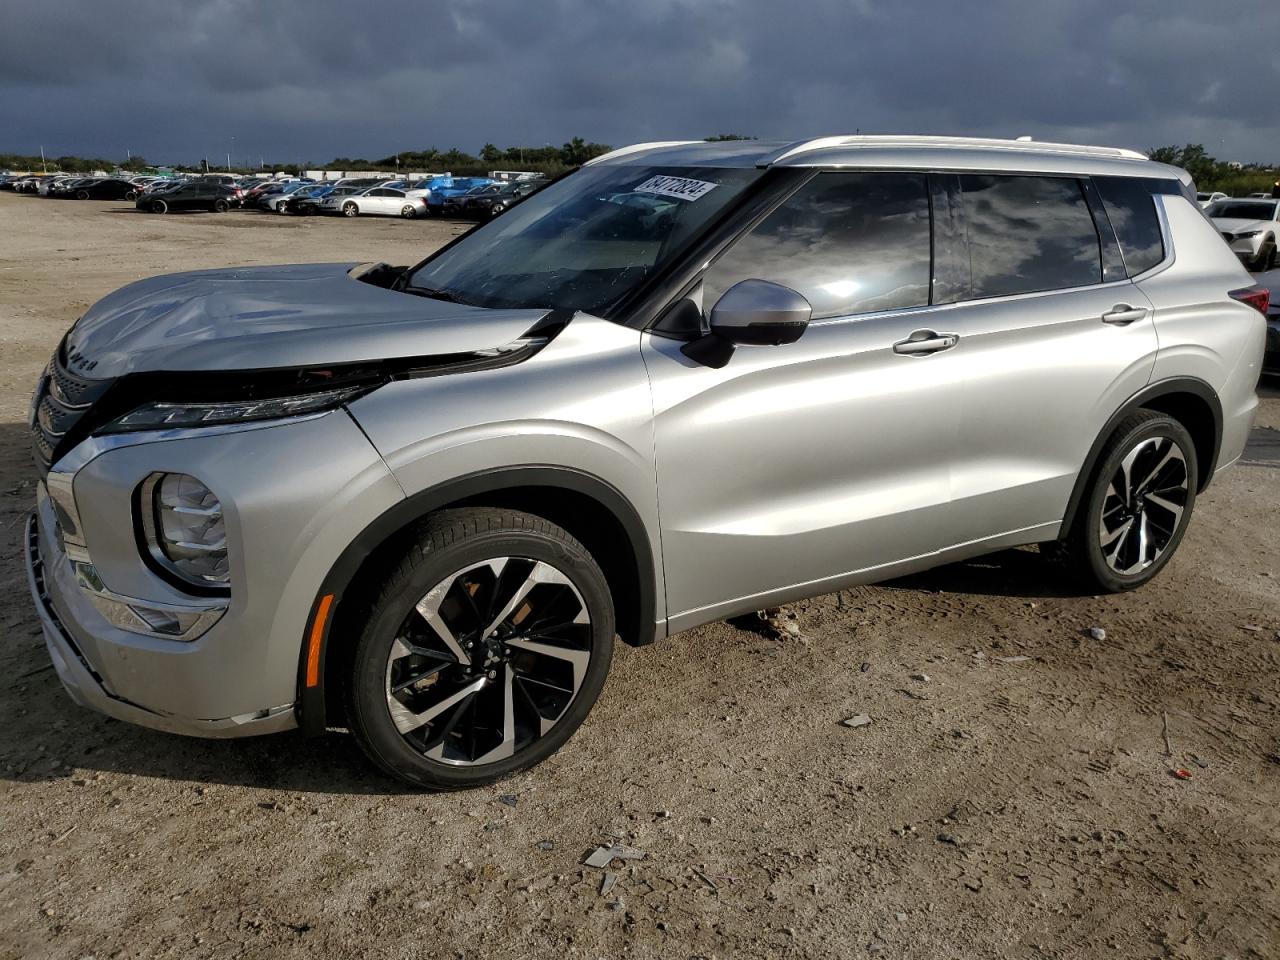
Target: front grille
{"x": 62, "y": 401}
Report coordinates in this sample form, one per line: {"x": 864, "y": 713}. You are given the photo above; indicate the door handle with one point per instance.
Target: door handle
{"x": 923, "y": 342}
{"x": 1122, "y": 314}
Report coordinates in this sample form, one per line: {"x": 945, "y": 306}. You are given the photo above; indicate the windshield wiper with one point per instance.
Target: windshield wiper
{"x": 444, "y": 295}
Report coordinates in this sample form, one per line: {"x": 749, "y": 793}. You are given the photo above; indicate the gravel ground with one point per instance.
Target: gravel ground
{"x": 1017, "y": 803}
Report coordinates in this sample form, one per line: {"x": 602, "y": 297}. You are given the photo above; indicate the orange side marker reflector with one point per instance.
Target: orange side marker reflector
{"x": 317, "y": 637}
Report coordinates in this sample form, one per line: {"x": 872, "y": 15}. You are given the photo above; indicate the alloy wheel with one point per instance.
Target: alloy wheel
{"x": 488, "y": 661}
{"x": 1143, "y": 505}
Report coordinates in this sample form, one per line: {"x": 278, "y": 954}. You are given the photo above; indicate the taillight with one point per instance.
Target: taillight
{"x": 1257, "y": 297}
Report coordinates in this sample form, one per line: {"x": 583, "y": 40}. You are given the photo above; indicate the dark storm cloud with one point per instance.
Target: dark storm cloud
{"x": 311, "y": 80}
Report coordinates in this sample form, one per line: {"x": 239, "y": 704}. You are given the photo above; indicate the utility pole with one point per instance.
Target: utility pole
{"x": 229, "y": 152}
{"x": 43, "y": 165}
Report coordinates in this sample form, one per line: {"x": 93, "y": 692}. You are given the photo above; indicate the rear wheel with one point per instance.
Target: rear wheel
{"x": 1138, "y": 504}
{"x": 159, "y": 206}
{"x": 407, "y": 211}
{"x": 496, "y": 209}
{"x": 483, "y": 652}
{"x": 131, "y": 195}
{"x": 350, "y": 210}
{"x": 82, "y": 194}
{"x": 221, "y": 206}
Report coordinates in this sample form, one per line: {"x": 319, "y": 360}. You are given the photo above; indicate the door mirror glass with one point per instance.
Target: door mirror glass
{"x": 760, "y": 312}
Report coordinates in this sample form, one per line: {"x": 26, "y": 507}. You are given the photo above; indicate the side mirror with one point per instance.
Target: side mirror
{"x": 756, "y": 312}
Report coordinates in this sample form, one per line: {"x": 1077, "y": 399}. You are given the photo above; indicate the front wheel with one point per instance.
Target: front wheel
{"x": 350, "y": 210}
{"x": 82, "y": 194}
{"x": 496, "y": 209}
{"x": 483, "y": 652}
{"x": 1136, "y": 509}
{"x": 159, "y": 206}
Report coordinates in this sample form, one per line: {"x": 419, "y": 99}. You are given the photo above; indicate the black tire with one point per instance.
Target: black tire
{"x": 408, "y": 212}
{"x": 350, "y": 210}
{"x": 449, "y": 542}
{"x": 82, "y": 194}
{"x": 1266, "y": 256}
{"x": 221, "y": 206}
{"x": 496, "y": 209}
{"x": 1083, "y": 546}
{"x": 131, "y": 195}
{"x": 159, "y": 206}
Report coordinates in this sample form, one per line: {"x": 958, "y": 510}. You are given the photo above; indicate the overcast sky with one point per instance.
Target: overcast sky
{"x": 291, "y": 80}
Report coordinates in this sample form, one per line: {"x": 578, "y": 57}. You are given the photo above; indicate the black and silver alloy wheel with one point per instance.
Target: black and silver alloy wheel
{"x": 1137, "y": 504}
{"x": 1143, "y": 505}
{"x": 483, "y": 651}
{"x": 488, "y": 661}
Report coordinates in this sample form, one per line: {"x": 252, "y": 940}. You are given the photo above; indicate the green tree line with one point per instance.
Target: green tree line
{"x": 1212, "y": 174}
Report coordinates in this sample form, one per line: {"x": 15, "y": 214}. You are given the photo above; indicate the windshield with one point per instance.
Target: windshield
{"x": 1241, "y": 210}
{"x": 586, "y": 241}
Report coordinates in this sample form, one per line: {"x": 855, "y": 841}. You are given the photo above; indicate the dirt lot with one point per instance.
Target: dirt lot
{"x": 1000, "y": 808}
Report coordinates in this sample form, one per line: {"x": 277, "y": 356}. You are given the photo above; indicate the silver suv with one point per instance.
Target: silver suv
{"x": 688, "y": 381}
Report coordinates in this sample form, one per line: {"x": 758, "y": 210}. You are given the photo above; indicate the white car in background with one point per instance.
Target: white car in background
{"x": 1250, "y": 228}
{"x": 375, "y": 201}
{"x": 1205, "y": 198}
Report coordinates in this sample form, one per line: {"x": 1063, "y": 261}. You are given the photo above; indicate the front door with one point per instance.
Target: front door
{"x": 795, "y": 465}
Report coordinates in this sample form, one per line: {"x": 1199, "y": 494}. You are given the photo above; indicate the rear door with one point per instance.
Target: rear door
{"x": 795, "y": 465}
{"x": 1053, "y": 338}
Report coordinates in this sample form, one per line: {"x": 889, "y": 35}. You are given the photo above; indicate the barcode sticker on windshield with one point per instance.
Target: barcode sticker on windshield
{"x": 677, "y": 187}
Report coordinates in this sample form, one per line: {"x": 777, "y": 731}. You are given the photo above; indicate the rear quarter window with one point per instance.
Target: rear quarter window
{"x": 1029, "y": 234}
{"x": 1132, "y": 213}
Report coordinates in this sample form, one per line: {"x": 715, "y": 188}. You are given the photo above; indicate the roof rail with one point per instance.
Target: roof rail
{"x": 908, "y": 142}
{"x": 637, "y": 148}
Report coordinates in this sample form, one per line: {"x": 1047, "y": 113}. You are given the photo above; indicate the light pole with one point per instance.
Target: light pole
{"x": 229, "y": 152}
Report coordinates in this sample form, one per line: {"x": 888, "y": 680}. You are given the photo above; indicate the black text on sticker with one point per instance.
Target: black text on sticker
{"x": 678, "y": 187}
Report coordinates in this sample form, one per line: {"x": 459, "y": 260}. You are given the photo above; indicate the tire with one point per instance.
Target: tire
{"x": 131, "y": 195}
{"x": 408, "y": 212}
{"x": 1159, "y": 456}
{"x": 485, "y": 557}
{"x": 82, "y": 194}
{"x": 221, "y": 206}
{"x": 1266, "y": 256}
{"x": 159, "y": 206}
{"x": 350, "y": 210}
{"x": 496, "y": 209}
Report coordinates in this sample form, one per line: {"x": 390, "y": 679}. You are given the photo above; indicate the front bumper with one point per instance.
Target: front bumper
{"x": 294, "y": 493}
{"x": 86, "y": 686}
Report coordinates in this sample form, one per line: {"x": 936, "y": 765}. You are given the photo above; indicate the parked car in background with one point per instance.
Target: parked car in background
{"x": 190, "y": 195}
{"x": 495, "y": 198}
{"x": 376, "y": 201}
{"x": 273, "y": 200}
{"x": 453, "y": 206}
{"x": 1250, "y": 227}
{"x": 455, "y": 187}
{"x": 48, "y": 186}
{"x": 307, "y": 200}
{"x": 1206, "y": 198}
{"x": 104, "y": 189}
{"x": 1271, "y": 359}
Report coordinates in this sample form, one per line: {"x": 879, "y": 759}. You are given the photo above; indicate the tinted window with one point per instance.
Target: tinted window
{"x": 1132, "y": 213}
{"x": 1028, "y": 234}
{"x": 1242, "y": 209}
{"x": 849, "y": 242}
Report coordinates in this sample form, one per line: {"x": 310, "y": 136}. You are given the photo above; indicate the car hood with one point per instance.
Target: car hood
{"x": 1238, "y": 225}
{"x": 253, "y": 318}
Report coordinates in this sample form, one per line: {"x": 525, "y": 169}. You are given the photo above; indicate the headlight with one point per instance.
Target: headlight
{"x": 183, "y": 528}
{"x": 168, "y": 416}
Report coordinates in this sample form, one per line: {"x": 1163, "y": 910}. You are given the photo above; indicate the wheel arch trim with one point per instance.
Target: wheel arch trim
{"x": 1152, "y": 391}
{"x": 314, "y": 645}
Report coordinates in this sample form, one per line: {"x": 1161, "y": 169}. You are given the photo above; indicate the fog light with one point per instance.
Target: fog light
{"x": 184, "y": 529}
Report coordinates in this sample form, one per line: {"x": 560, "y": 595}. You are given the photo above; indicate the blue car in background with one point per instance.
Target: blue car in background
{"x": 444, "y": 188}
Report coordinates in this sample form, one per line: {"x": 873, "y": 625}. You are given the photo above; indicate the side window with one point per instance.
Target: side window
{"x": 1028, "y": 234}
{"x": 849, "y": 242}
{"x": 1132, "y": 213}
